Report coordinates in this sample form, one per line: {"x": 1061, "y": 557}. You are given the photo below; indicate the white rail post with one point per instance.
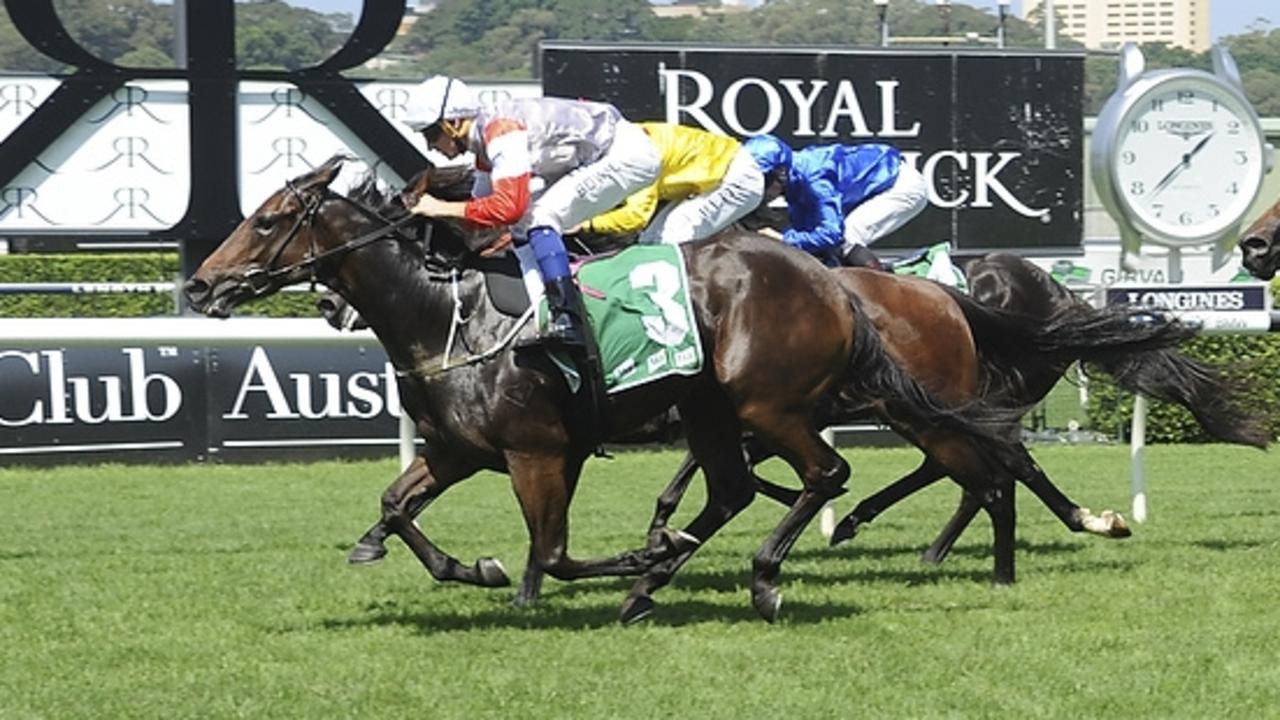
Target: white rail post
{"x": 407, "y": 434}
{"x": 827, "y": 517}
{"x": 1137, "y": 450}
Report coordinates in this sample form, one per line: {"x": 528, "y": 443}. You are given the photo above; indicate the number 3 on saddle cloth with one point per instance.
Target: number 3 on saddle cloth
{"x": 639, "y": 311}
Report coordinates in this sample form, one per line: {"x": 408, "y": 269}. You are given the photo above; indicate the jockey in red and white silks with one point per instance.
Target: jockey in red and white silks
{"x": 589, "y": 157}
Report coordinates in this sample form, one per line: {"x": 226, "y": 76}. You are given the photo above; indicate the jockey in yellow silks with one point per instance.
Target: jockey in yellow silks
{"x": 707, "y": 180}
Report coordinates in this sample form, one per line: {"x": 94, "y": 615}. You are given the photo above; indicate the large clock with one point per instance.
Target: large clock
{"x": 1178, "y": 156}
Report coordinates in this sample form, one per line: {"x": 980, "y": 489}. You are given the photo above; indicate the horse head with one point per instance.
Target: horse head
{"x": 269, "y": 249}
{"x": 1260, "y": 245}
{"x": 304, "y": 230}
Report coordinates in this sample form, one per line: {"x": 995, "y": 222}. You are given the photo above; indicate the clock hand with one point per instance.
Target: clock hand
{"x": 1183, "y": 164}
{"x": 1199, "y": 146}
{"x": 1169, "y": 176}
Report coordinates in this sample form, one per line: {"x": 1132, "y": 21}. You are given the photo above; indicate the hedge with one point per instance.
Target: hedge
{"x": 1110, "y": 411}
{"x": 122, "y": 267}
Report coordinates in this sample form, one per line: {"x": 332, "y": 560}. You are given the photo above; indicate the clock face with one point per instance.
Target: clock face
{"x": 1187, "y": 160}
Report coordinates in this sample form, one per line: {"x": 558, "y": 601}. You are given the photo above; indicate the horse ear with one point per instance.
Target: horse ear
{"x": 322, "y": 176}
{"x": 325, "y": 174}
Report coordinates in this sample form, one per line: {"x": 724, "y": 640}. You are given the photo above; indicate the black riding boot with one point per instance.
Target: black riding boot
{"x": 567, "y": 316}
{"x": 861, "y": 256}
{"x": 567, "y": 330}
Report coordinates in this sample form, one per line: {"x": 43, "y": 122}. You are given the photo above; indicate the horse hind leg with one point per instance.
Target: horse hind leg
{"x": 823, "y": 473}
{"x": 714, "y": 437}
{"x": 1106, "y": 524}
{"x": 870, "y": 508}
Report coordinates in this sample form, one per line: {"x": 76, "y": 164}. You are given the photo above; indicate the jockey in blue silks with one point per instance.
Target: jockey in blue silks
{"x": 842, "y": 198}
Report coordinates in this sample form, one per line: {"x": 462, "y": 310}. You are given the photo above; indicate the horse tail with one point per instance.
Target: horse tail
{"x": 873, "y": 374}
{"x": 1074, "y": 332}
{"x": 1135, "y": 346}
{"x": 1210, "y": 396}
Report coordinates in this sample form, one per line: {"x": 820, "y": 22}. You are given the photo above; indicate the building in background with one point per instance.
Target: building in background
{"x": 1111, "y": 23}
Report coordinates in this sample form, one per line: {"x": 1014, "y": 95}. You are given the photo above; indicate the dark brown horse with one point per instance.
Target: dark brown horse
{"x": 778, "y": 334}
{"x": 1261, "y": 244}
{"x": 1009, "y": 282}
{"x": 920, "y": 323}
{"x": 962, "y": 349}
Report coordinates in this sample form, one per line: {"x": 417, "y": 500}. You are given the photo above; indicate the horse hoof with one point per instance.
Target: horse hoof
{"x": 366, "y": 553}
{"x": 768, "y": 602}
{"x": 492, "y": 574}
{"x": 845, "y": 530}
{"x": 1118, "y": 527}
{"x": 667, "y": 543}
{"x": 636, "y": 609}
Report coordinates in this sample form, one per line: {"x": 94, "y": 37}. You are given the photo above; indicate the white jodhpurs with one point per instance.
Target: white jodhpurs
{"x": 632, "y": 163}
{"x": 887, "y": 211}
{"x": 701, "y": 216}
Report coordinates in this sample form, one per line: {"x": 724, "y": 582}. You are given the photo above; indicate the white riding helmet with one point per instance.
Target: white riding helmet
{"x": 439, "y": 98}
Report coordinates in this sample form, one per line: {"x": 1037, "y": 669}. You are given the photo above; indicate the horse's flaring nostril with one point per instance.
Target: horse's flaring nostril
{"x": 196, "y": 291}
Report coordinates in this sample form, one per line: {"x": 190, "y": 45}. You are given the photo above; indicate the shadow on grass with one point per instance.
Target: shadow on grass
{"x": 1228, "y": 545}
{"x": 548, "y": 615}
{"x": 852, "y": 550}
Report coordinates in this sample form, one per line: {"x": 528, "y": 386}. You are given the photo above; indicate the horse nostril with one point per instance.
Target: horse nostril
{"x": 196, "y": 290}
{"x": 1253, "y": 245}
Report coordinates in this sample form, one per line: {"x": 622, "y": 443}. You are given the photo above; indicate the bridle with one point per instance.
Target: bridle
{"x": 263, "y": 280}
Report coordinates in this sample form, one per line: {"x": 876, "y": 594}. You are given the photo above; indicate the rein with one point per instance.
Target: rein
{"x": 262, "y": 280}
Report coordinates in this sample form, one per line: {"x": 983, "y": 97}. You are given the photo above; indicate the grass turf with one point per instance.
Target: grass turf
{"x": 221, "y": 591}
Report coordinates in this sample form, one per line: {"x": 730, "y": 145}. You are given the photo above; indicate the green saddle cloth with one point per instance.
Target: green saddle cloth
{"x": 934, "y": 263}
{"x": 640, "y": 313}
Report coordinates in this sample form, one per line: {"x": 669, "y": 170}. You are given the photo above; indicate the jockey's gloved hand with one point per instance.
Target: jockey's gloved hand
{"x": 339, "y": 313}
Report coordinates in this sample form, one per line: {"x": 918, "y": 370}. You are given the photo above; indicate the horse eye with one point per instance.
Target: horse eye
{"x": 264, "y": 223}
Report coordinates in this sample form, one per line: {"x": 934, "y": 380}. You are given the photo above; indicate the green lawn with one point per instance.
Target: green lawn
{"x": 222, "y": 591}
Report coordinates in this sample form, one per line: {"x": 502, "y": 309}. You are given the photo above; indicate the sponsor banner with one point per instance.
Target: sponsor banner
{"x": 62, "y": 405}
{"x": 999, "y": 137}
{"x": 1217, "y": 308}
{"x": 146, "y": 402}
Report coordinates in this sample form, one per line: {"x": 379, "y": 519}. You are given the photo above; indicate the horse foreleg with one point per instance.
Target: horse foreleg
{"x": 412, "y": 491}
{"x": 715, "y": 440}
{"x": 371, "y": 547}
{"x": 929, "y": 472}
{"x": 670, "y": 498}
{"x": 543, "y": 483}
{"x": 955, "y": 527}
{"x": 671, "y": 495}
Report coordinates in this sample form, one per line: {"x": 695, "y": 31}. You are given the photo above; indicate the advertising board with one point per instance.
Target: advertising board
{"x": 998, "y": 135}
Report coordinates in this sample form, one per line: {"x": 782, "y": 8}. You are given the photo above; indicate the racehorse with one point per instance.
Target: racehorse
{"x": 777, "y": 330}
{"x": 1008, "y": 282}
{"x": 1260, "y": 244}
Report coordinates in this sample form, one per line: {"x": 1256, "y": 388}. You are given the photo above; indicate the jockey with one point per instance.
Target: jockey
{"x": 709, "y": 181}
{"x": 842, "y": 198}
{"x": 590, "y": 158}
